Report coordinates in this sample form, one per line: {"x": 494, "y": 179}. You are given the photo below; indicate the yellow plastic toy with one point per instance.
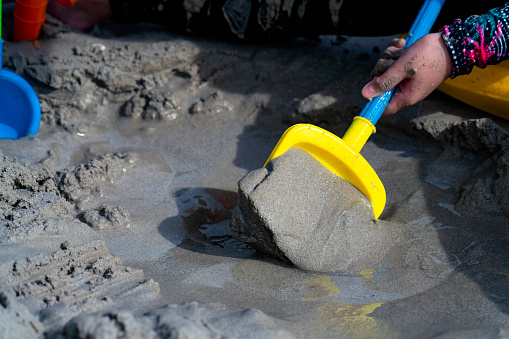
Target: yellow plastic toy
{"x": 486, "y": 89}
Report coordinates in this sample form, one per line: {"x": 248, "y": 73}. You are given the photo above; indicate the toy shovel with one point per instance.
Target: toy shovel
{"x": 341, "y": 156}
{"x": 20, "y": 111}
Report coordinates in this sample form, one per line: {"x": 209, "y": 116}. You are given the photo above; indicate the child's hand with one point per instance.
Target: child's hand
{"x": 416, "y": 71}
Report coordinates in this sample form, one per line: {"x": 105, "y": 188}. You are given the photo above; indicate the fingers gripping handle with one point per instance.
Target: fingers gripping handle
{"x": 421, "y": 26}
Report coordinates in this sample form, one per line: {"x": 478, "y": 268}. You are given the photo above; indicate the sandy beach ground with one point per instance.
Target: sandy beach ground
{"x": 114, "y": 218}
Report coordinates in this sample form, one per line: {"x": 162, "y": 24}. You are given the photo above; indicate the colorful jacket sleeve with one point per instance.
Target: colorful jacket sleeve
{"x": 480, "y": 40}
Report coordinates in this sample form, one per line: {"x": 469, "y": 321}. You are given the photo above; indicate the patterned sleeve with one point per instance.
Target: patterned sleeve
{"x": 480, "y": 40}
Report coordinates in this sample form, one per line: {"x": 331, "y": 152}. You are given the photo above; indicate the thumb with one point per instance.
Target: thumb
{"x": 368, "y": 91}
{"x": 381, "y": 84}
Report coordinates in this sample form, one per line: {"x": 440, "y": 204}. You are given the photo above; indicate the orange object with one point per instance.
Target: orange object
{"x": 29, "y": 16}
{"x": 67, "y": 3}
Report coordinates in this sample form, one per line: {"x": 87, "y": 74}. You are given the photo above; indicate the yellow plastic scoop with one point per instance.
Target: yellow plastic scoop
{"x": 342, "y": 156}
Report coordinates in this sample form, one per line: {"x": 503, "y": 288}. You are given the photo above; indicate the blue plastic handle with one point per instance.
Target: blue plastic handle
{"x": 421, "y": 26}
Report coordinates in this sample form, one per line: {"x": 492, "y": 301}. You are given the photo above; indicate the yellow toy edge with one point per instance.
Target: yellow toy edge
{"x": 485, "y": 89}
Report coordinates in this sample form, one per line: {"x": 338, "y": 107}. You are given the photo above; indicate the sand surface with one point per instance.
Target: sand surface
{"x": 114, "y": 218}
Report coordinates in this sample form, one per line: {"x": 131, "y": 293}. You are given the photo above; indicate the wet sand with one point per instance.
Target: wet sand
{"x": 114, "y": 218}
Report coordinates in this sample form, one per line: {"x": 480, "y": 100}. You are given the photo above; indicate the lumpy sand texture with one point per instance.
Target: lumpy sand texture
{"x": 296, "y": 209}
{"x": 114, "y": 218}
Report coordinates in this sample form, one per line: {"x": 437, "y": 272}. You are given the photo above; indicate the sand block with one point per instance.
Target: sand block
{"x": 296, "y": 209}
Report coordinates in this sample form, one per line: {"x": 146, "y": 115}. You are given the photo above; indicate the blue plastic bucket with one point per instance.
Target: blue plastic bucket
{"x": 20, "y": 111}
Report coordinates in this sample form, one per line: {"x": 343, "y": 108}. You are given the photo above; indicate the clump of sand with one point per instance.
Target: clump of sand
{"x": 296, "y": 209}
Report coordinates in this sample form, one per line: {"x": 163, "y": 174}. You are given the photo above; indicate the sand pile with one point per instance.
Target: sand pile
{"x": 296, "y": 209}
